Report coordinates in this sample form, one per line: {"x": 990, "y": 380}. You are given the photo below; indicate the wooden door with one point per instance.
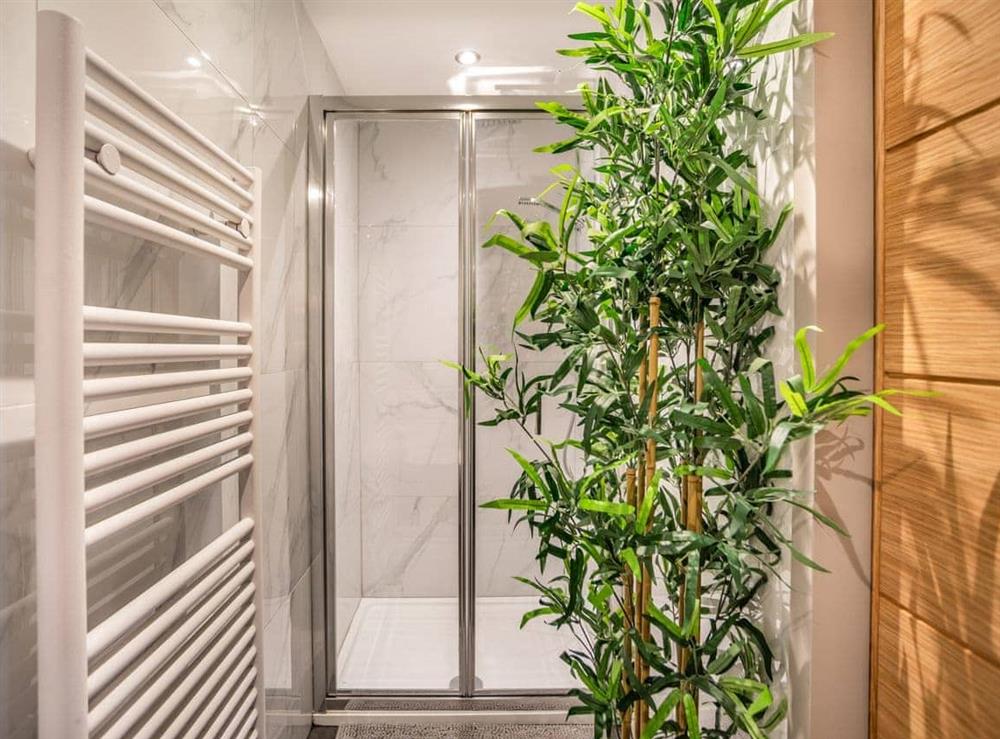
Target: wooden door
{"x": 936, "y": 569}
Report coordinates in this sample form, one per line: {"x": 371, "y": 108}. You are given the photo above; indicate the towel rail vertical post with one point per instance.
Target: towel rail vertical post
{"x": 251, "y": 496}
{"x": 61, "y": 569}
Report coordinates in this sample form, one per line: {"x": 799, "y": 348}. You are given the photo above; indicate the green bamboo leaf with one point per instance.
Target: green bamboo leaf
{"x": 628, "y": 554}
{"x": 648, "y": 501}
{"x": 530, "y": 615}
{"x": 821, "y": 517}
{"x": 595, "y": 11}
{"x": 806, "y": 360}
{"x": 832, "y": 375}
{"x": 529, "y": 470}
{"x": 763, "y": 20}
{"x": 605, "y": 506}
{"x": 801, "y": 557}
{"x": 720, "y": 28}
{"x": 692, "y": 603}
{"x": 691, "y": 714}
{"x": 603, "y": 116}
{"x": 516, "y": 504}
{"x": 539, "y": 289}
{"x": 883, "y": 404}
{"x": 796, "y": 403}
{"x": 665, "y": 622}
{"x": 761, "y": 702}
{"x": 506, "y": 242}
{"x": 776, "y": 446}
{"x": 767, "y": 391}
{"x": 558, "y": 147}
{"x": 721, "y": 391}
{"x": 661, "y": 714}
{"x": 731, "y": 173}
{"x": 776, "y": 47}
{"x": 701, "y": 423}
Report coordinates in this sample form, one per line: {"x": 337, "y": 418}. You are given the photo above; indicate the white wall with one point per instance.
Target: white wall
{"x": 256, "y": 61}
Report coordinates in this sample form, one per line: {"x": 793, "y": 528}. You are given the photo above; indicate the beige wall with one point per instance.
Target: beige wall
{"x": 844, "y": 293}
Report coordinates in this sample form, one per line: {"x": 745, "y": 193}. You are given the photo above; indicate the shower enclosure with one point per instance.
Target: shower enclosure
{"x": 421, "y": 595}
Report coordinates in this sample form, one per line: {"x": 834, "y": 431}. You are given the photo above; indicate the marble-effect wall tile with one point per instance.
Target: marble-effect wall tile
{"x": 409, "y": 444}
{"x": 18, "y": 696}
{"x": 223, "y": 30}
{"x": 400, "y": 183}
{"x": 408, "y": 293}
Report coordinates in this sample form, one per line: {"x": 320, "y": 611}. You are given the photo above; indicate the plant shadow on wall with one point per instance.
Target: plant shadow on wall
{"x": 656, "y": 553}
{"x": 940, "y": 494}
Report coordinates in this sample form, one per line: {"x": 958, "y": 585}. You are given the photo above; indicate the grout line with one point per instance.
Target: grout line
{"x": 226, "y": 78}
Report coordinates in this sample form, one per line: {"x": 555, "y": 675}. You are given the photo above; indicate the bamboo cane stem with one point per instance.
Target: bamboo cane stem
{"x": 691, "y": 513}
{"x": 649, "y": 469}
{"x": 628, "y": 608}
{"x": 638, "y": 662}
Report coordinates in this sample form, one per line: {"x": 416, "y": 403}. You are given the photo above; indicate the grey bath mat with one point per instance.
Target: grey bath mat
{"x": 456, "y": 704}
{"x": 496, "y": 731}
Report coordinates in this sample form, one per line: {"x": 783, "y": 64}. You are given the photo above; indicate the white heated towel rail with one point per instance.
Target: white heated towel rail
{"x": 184, "y": 658}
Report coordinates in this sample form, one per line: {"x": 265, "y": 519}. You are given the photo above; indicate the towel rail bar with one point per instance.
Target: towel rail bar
{"x": 122, "y": 487}
{"x": 161, "y": 502}
{"x": 133, "y": 224}
{"x": 107, "y": 387}
{"x": 113, "y": 422}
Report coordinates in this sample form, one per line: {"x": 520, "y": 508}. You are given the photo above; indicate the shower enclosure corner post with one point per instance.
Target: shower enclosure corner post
{"x": 320, "y": 418}
{"x": 467, "y": 406}
{"x": 61, "y": 568}
{"x": 321, "y": 275}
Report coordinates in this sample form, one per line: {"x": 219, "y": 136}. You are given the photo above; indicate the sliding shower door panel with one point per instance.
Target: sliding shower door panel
{"x": 509, "y": 174}
{"x": 396, "y": 404}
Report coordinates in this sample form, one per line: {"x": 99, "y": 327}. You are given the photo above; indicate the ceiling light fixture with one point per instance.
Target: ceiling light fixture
{"x": 194, "y": 61}
{"x": 467, "y": 57}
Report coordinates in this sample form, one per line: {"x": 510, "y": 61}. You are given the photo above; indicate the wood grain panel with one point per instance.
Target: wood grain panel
{"x": 941, "y": 287}
{"x": 940, "y": 62}
{"x": 940, "y": 498}
{"x": 936, "y": 519}
{"x": 930, "y": 687}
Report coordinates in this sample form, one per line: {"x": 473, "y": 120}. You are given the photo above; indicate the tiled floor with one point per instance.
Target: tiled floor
{"x": 412, "y": 644}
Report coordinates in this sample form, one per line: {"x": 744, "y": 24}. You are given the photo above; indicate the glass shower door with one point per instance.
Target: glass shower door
{"x": 424, "y": 596}
{"x": 508, "y": 174}
{"x": 393, "y": 181}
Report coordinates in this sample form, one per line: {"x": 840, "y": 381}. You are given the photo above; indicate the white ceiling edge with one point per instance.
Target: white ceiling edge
{"x": 407, "y": 47}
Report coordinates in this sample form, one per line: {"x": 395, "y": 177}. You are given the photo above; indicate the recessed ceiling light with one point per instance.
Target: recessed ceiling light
{"x": 467, "y": 57}
{"x": 194, "y": 61}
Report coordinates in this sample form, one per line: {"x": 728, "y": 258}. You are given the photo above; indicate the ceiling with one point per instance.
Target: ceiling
{"x": 407, "y": 47}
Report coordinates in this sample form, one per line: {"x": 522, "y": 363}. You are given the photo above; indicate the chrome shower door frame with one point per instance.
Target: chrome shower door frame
{"x": 466, "y": 110}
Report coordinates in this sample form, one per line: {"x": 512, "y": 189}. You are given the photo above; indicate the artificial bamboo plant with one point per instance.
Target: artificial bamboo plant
{"x": 655, "y": 554}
